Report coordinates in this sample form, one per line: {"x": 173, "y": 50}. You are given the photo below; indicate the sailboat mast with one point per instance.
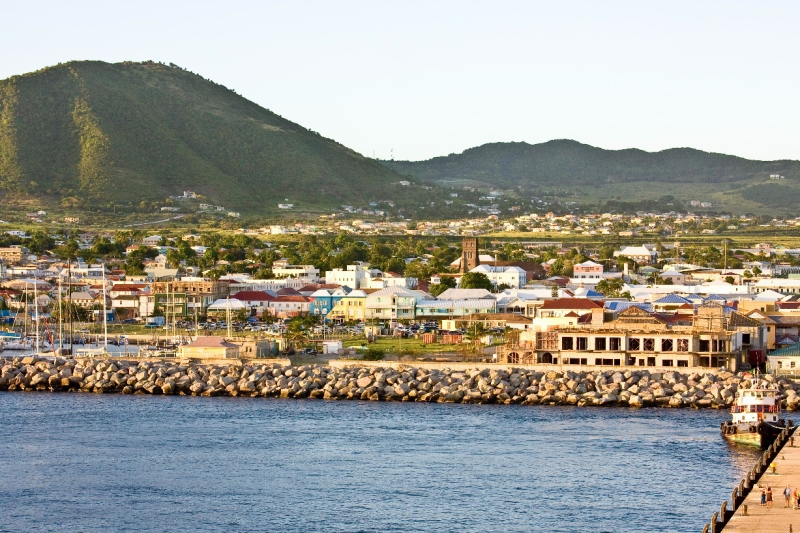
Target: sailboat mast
{"x": 69, "y": 303}
{"x": 60, "y": 319}
{"x": 36, "y": 311}
{"x": 105, "y": 314}
{"x": 25, "y": 315}
{"x": 230, "y": 335}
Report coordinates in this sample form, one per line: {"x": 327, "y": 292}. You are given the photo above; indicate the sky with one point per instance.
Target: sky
{"x": 415, "y": 80}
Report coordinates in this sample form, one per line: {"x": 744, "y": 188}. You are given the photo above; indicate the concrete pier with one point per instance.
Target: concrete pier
{"x": 778, "y": 518}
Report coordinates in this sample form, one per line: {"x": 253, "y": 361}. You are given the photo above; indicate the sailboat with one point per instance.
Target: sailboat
{"x": 102, "y": 351}
{"x": 20, "y": 341}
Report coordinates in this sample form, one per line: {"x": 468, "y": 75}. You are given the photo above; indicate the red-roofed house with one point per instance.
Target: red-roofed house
{"x": 256, "y": 301}
{"x": 126, "y": 289}
{"x": 290, "y": 305}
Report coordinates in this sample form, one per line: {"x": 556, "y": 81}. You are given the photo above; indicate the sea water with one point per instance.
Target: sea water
{"x": 92, "y": 463}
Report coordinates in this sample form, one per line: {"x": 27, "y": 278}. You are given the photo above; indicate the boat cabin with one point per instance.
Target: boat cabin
{"x": 755, "y": 405}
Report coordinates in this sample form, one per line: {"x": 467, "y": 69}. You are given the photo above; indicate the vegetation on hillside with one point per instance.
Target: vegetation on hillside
{"x": 566, "y": 162}
{"x": 773, "y": 194}
{"x": 532, "y": 169}
{"x": 97, "y": 133}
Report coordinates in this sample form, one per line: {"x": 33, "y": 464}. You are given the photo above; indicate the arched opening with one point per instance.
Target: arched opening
{"x": 513, "y": 358}
{"x": 547, "y": 358}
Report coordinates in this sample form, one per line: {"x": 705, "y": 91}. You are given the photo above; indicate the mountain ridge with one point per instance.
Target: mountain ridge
{"x": 95, "y": 133}
{"x": 599, "y": 175}
{"x": 515, "y": 163}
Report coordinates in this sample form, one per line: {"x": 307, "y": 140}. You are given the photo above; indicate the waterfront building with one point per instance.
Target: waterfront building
{"x": 188, "y": 296}
{"x": 322, "y": 301}
{"x": 393, "y": 303}
{"x": 351, "y": 307}
{"x": 712, "y": 337}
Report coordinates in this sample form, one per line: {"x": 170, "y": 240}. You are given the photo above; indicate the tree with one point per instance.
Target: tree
{"x": 68, "y": 250}
{"x": 476, "y": 280}
{"x": 446, "y": 283}
{"x": 729, "y": 280}
{"x": 474, "y": 334}
{"x": 610, "y": 287}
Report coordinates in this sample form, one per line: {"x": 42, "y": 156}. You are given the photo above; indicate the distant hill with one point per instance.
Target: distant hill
{"x": 94, "y": 132}
{"x": 567, "y": 163}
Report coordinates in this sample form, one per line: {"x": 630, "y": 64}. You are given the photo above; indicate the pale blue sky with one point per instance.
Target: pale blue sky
{"x": 430, "y": 78}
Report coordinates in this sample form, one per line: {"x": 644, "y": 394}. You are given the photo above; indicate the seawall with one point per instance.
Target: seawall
{"x": 381, "y": 382}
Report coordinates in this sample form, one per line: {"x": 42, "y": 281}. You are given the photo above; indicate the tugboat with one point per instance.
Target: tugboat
{"x": 755, "y": 417}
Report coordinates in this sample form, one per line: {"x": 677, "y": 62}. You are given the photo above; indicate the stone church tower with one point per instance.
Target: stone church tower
{"x": 469, "y": 254}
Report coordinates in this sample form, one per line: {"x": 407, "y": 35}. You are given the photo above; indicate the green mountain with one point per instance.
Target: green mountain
{"x": 615, "y": 174}
{"x": 97, "y": 133}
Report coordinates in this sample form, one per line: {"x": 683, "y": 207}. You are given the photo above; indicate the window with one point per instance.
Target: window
{"x": 651, "y": 361}
{"x": 705, "y": 345}
{"x": 791, "y": 365}
{"x": 633, "y": 344}
{"x": 683, "y": 345}
{"x": 666, "y": 345}
{"x": 666, "y": 362}
{"x": 649, "y": 345}
{"x": 566, "y": 343}
{"x": 600, "y": 343}
{"x": 614, "y": 344}
{"x": 683, "y": 362}
{"x": 582, "y": 343}
{"x": 745, "y": 338}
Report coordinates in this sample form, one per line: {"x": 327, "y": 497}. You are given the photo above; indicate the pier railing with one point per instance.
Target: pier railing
{"x": 740, "y": 492}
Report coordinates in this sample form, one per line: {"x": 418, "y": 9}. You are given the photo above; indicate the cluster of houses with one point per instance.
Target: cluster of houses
{"x": 681, "y": 315}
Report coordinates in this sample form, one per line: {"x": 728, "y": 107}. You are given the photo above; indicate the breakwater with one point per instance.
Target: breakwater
{"x": 639, "y": 388}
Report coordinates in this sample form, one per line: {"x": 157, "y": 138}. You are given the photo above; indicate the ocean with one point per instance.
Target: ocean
{"x": 92, "y": 463}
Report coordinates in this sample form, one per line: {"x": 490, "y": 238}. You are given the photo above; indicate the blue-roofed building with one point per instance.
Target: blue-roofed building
{"x": 616, "y": 306}
{"x": 670, "y": 302}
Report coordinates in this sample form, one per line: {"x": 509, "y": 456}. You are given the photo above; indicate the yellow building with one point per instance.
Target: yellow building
{"x": 351, "y": 307}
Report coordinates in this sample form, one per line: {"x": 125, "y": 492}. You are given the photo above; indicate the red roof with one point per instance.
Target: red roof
{"x": 253, "y": 296}
{"x": 571, "y": 303}
{"x": 288, "y": 291}
{"x": 128, "y": 287}
{"x": 317, "y": 286}
{"x": 292, "y": 298}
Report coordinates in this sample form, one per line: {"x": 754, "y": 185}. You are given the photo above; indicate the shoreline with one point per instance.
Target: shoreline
{"x": 352, "y": 381}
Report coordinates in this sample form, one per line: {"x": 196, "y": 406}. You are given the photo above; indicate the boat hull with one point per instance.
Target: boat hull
{"x": 762, "y": 435}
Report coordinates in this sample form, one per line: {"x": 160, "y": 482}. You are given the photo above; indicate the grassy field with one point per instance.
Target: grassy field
{"x": 396, "y": 345}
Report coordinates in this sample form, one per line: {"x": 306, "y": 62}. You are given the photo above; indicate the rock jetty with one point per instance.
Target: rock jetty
{"x": 633, "y": 388}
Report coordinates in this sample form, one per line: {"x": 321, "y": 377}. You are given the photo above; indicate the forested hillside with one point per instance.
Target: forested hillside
{"x": 91, "y": 132}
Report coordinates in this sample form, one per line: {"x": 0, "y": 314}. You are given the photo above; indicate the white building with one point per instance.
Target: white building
{"x": 511, "y": 276}
{"x": 355, "y": 276}
{"x": 283, "y": 269}
{"x": 640, "y": 254}
{"x": 152, "y": 240}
